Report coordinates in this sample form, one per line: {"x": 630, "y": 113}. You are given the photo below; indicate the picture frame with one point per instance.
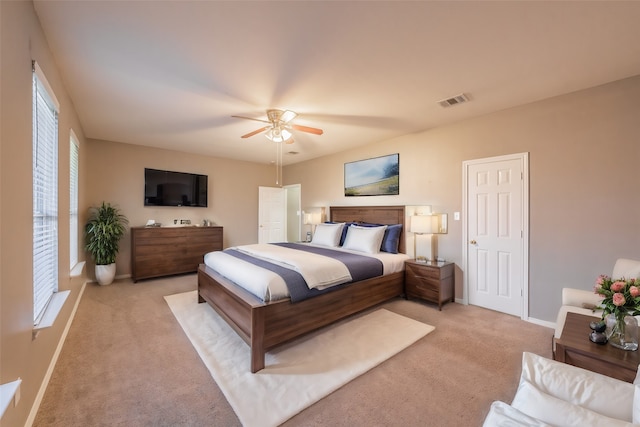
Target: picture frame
{"x": 377, "y": 176}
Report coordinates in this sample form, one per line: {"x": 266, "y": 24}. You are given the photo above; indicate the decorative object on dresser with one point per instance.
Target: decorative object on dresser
{"x": 163, "y": 251}
{"x": 429, "y": 281}
{"x": 104, "y": 229}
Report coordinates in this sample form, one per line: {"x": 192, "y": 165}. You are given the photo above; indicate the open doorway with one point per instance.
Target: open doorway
{"x": 293, "y": 196}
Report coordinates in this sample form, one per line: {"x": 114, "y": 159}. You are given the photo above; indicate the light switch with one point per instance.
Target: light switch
{"x": 456, "y": 216}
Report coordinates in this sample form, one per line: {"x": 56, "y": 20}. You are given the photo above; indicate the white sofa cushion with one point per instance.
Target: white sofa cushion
{"x": 503, "y": 415}
{"x": 557, "y": 412}
{"x": 588, "y": 389}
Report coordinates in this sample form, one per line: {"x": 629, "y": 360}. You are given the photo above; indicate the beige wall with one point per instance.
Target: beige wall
{"x": 584, "y": 175}
{"x": 20, "y": 355}
{"x": 115, "y": 174}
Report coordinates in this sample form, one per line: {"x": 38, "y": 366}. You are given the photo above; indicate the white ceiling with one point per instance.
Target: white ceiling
{"x": 171, "y": 74}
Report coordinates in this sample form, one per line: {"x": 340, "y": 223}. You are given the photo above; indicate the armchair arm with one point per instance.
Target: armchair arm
{"x": 579, "y": 297}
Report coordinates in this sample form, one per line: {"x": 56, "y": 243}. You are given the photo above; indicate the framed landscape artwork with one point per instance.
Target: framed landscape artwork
{"x": 379, "y": 176}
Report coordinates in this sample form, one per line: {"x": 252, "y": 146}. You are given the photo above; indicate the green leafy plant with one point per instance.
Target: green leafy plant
{"x": 103, "y": 231}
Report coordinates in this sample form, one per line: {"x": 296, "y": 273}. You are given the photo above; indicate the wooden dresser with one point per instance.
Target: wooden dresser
{"x": 162, "y": 251}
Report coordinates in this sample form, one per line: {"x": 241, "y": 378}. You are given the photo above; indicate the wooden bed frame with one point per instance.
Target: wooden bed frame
{"x": 266, "y": 325}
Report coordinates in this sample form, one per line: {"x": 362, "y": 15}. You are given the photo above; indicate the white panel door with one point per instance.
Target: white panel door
{"x": 271, "y": 215}
{"x": 495, "y": 231}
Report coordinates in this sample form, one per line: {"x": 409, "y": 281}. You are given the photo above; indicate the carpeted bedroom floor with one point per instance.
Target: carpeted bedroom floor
{"x": 127, "y": 362}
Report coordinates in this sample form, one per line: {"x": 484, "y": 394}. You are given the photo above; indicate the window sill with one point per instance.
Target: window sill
{"x": 51, "y": 312}
{"x": 7, "y": 392}
{"x": 76, "y": 271}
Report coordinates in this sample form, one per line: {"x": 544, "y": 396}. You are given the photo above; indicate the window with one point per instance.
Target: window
{"x": 45, "y": 193}
{"x": 73, "y": 200}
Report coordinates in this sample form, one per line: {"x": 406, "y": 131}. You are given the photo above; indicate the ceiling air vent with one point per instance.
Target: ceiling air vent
{"x": 455, "y": 100}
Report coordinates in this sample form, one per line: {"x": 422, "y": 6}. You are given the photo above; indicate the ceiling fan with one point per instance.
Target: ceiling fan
{"x": 280, "y": 126}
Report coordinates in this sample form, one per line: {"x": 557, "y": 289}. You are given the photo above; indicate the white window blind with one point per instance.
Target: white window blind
{"x": 73, "y": 201}
{"x": 45, "y": 193}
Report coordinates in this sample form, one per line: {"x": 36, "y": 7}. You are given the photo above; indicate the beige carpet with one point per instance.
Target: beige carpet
{"x": 297, "y": 374}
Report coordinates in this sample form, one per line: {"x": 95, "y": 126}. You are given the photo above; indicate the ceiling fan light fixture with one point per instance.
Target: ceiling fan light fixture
{"x": 278, "y": 135}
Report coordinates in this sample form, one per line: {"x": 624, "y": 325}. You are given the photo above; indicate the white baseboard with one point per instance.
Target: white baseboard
{"x": 52, "y": 364}
{"x": 546, "y": 323}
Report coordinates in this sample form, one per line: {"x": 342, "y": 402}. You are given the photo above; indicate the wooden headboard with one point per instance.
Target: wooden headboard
{"x": 386, "y": 215}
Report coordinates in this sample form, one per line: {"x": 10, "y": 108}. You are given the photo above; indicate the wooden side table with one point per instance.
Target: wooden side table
{"x": 431, "y": 282}
{"x": 575, "y": 348}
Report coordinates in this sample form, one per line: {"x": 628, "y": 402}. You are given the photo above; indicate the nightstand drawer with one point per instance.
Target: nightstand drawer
{"x": 422, "y": 272}
{"x": 426, "y": 291}
{"x": 414, "y": 281}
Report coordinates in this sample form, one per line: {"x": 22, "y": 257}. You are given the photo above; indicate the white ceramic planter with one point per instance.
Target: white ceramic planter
{"x": 105, "y": 273}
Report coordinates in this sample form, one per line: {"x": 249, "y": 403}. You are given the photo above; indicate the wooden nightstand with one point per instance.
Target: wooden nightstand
{"x": 430, "y": 281}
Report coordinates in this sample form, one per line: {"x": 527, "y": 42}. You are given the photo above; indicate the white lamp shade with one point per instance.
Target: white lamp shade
{"x": 421, "y": 224}
{"x": 278, "y": 135}
{"x": 307, "y": 218}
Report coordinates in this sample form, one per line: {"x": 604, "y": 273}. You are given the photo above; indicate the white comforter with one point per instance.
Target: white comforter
{"x": 317, "y": 270}
{"x": 269, "y": 286}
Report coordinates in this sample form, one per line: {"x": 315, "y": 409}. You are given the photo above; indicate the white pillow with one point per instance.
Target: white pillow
{"x": 503, "y": 415}
{"x": 327, "y": 234}
{"x": 364, "y": 239}
{"x": 578, "y": 386}
{"x": 557, "y": 412}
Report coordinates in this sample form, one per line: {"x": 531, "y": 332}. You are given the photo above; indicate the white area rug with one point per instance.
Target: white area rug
{"x": 297, "y": 374}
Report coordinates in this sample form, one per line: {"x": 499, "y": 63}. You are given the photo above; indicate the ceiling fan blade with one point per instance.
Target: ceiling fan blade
{"x": 308, "y": 129}
{"x": 289, "y": 141}
{"x": 251, "y": 118}
{"x": 287, "y": 116}
{"x": 255, "y": 132}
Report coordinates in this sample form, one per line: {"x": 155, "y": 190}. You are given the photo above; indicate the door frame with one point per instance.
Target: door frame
{"x": 524, "y": 159}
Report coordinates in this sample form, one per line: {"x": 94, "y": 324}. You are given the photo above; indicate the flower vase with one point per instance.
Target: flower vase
{"x": 624, "y": 331}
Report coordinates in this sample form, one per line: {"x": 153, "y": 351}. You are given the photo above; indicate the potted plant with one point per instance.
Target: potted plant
{"x": 103, "y": 231}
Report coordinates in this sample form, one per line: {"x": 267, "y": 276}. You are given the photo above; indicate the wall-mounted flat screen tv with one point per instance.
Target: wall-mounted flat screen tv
{"x": 168, "y": 188}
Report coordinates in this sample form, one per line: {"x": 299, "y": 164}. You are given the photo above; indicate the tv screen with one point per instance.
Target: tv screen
{"x": 167, "y": 188}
